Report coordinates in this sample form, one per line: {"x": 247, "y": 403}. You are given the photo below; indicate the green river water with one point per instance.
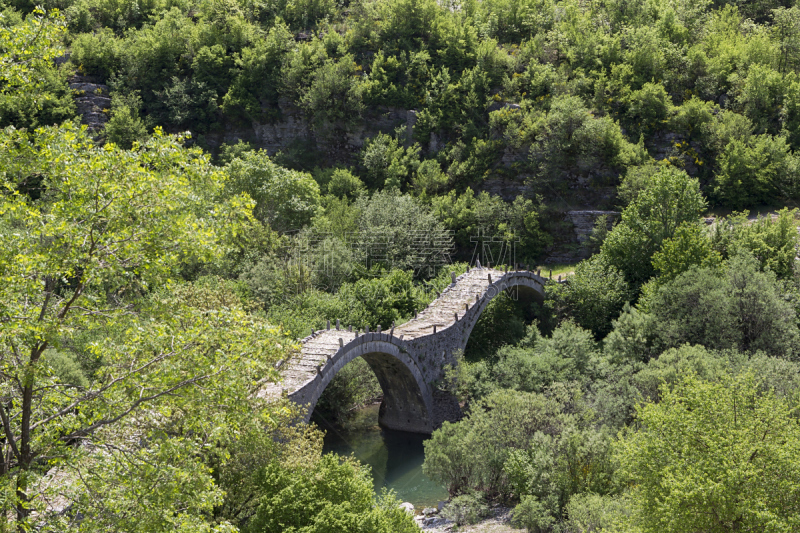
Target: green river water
{"x": 395, "y": 456}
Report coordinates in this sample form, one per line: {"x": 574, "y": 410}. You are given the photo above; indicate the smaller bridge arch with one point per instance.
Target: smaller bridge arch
{"x": 408, "y": 360}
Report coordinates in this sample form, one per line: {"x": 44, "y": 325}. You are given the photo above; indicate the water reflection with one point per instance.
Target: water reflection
{"x": 395, "y": 456}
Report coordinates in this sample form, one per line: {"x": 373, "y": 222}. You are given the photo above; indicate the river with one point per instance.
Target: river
{"x": 395, "y": 456}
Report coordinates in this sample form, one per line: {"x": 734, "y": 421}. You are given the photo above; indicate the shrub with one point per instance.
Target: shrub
{"x": 501, "y": 323}
{"x": 334, "y": 98}
{"x": 751, "y": 172}
{"x": 570, "y": 354}
{"x": 387, "y": 164}
{"x": 343, "y": 184}
{"x": 590, "y": 513}
{"x": 466, "y": 509}
{"x": 740, "y": 308}
{"x": 65, "y": 368}
{"x": 429, "y": 178}
{"x": 648, "y": 109}
{"x": 593, "y": 296}
{"x": 773, "y": 242}
{"x": 690, "y": 246}
{"x": 285, "y": 199}
{"x": 125, "y": 127}
{"x": 403, "y": 233}
{"x": 632, "y": 336}
{"x": 532, "y": 515}
{"x": 97, "y": 54}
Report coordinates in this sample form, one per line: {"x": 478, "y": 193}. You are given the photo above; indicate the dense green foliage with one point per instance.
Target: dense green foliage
{"x": 714, "y": 457}
{"x": 557, "y": 94}
{"x": 680, "y": 318}
{"x": 341, "y": 160}
{"x": 330, "y": 495}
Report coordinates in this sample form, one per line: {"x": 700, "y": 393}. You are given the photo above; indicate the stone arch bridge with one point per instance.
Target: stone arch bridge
{"x": 409, "y": 359}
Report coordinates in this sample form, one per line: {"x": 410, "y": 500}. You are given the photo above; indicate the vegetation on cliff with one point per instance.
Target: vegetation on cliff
{"x": 152, "y": 279}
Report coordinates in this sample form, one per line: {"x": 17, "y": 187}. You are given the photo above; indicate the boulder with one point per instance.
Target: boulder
{"x": 407, "y": 507}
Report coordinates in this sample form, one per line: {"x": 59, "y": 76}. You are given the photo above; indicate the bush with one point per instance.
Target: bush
{"x": 65, "y": 368}
{"x": 343, "y": 184}
{"x": 547, "y": 448}
{"x": 631, "y": 337}
{"x": 97, "y": 54}
{"x": 741, "y": 308}
{"x": 466, "y": 509}
{"x": 403, "y": 233}
{"x": 334, "y": 98}
{"x": 690, "y": 246}
{"x": 570, "y": 354}
{"x": 484, "y": 216}
{"x": 125, "y": 127}
{"x": 589, "y": 513}
{"x": 469, "y": 455}
{"x": 285, "y": 199}
{"x": 532, "y": 515}
{"x": 387, "y": 164}
{"x": 774, "y": 242}
{"x": 751, "y": 172}
{"x": 648, "y": 109}
{"x": 593, "y": 296}
{"x": 429, "y": 179}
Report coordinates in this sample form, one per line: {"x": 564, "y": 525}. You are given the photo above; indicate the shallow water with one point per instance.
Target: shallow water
{"x": 395, "y": 456}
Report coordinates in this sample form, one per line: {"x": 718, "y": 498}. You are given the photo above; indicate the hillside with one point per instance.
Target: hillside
{"x": 188, "y": 188}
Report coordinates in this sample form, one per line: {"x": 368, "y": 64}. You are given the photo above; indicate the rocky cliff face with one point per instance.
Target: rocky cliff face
{"x": 336, "y": 143}
{"x": 570, "y": 245}
{"x": 92, "y": 100}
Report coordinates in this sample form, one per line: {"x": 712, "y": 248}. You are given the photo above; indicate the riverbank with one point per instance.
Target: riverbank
{"x": 499, "y": 522}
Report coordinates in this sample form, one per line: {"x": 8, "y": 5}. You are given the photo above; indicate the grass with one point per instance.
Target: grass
{"x": 558, "y": 269}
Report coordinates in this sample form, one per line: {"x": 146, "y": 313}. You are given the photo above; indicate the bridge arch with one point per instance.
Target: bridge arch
{"x": 407, "y": 397}
{"x": 408, "y": 360}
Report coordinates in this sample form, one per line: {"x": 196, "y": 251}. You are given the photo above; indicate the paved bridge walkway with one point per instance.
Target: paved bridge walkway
{"x": 409, "y": 359}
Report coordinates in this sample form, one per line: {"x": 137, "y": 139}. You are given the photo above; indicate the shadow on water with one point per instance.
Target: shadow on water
{"x": 395, "y": 456}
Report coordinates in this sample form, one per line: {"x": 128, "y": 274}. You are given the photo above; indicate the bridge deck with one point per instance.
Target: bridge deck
{"x": 318, "y": 347}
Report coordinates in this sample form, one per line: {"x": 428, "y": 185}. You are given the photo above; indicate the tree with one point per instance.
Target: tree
{"x": 569, "y": 355}
{"x": 26, "y": 52}
{"x": 713, "y": 457}
{"x": 669, "y": 199}
{"x": 89, "y": 241}
{"x": 388, "y": 164}
{"x": 593, "y": 296}
{"x": 773, "y": 242}
{"x": 689, "y": 246}
{"x": 333, "y": 101}
{"x": 752, "y": 172}
{"x": 739, "y": 307}
{"x": 402, "y": 233}
{"x": 285, "y": 199}
{"x": 786, "y": 27}
{"x": 328, "y": 496}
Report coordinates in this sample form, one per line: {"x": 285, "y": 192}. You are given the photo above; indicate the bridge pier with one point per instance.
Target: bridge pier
{"x": 405, "y": 406}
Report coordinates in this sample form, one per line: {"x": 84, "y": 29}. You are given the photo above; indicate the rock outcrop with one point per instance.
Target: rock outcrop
{"x": 92, "y": 100}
